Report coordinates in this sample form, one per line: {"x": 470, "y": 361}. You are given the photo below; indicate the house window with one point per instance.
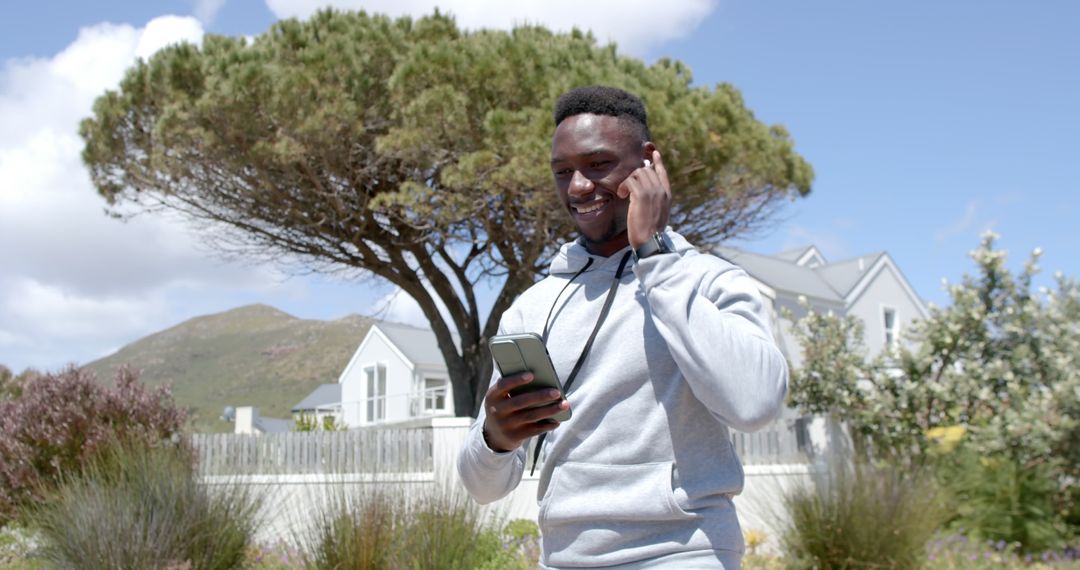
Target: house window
{"x": 891, "y": 327}
{"x": 376, "y": 392}
{"x": 434, "y": 396}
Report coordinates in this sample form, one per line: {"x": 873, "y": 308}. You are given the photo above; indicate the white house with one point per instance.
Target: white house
{"x": 870, "y": 287}
{"x": 396, "y": 374}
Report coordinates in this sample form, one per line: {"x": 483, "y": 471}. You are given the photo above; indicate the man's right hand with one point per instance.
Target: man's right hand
{"x": 513, "y": 419}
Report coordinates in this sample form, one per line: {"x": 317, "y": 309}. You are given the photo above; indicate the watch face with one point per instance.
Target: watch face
{"x": 664, "y": 242}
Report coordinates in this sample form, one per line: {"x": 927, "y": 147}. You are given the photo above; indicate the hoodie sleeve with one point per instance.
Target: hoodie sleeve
{"x": 488, "y": 475}
{"x": 717, "y": 329}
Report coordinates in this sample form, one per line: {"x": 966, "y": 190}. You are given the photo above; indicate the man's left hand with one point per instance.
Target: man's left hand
{"x": 650, "y": 201}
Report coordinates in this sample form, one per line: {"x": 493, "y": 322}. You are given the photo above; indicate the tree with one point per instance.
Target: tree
{"x": 411, "y": 151}
{"x": 998, "y": 368}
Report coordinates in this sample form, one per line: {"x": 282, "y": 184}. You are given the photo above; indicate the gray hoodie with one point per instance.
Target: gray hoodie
{"x": 645, "y": 467}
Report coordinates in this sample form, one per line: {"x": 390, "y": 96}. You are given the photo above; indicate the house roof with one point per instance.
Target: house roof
{"x": 417, "y": 344}
{"x": 783, "y": 274}
{"x": 322, "y": 396}
{"x": 843, "y": 276}
{"x": 272, "y": 425}
{"x": 791, "y": 271}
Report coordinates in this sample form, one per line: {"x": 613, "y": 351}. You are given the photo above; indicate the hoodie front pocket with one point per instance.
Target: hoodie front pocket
{"x": 597, "y": 492}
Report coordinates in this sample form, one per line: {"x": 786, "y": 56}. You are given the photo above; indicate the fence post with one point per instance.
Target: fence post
{"x": 447, "y": 436}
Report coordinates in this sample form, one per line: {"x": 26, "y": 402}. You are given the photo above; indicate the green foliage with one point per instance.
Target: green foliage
{"x": 1001, "y": 365}
{"x": 355, "y": 530}
{"x": 412, "y": 151}
{"x": 140, "y": 508}
{"x": 305, "y": 422}
{"x": 998, "y": 500}
{"x": 331, "y": 423}
{"x": 864, "y": 516}
{"x": 433, "y": 530}
{"x": 311, "y": 422}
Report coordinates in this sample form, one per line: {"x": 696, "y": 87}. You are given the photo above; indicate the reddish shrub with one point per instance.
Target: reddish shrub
{"x": 60, "y": 421}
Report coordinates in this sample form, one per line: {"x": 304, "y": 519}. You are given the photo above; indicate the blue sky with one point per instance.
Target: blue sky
{"x": 926, "y": 123}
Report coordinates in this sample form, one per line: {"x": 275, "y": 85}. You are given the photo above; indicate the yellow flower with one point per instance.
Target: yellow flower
{"x": 946, "y": 438}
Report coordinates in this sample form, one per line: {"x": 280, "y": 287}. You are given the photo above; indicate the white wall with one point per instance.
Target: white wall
{"x": 399, "y": 380}
{"x": 884, "y": 290}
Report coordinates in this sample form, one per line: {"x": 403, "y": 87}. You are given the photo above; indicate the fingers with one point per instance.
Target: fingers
{"x": 502, "y": 387}
{"x": 661, "y": 171}
{"x": 513, "y": 419}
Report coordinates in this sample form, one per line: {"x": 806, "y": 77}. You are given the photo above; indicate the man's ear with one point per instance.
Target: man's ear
{"x": 647, "y": 149}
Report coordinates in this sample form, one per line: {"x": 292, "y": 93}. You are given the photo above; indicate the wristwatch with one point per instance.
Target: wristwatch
{"x": 658, "y": 243}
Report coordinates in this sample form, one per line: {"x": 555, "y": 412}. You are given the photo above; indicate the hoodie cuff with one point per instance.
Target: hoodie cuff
{"x": 484, "y": 455}
{"x": 653, "y": 270}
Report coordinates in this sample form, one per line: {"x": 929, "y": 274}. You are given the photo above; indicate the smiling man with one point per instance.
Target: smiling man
{"x": 661, "y": 350}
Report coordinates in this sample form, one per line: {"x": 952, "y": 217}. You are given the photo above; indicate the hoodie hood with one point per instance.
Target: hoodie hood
{"x": 572, "y": 256}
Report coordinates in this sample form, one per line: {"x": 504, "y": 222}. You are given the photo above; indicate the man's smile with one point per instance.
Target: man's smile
{"x": 590, "y": 206}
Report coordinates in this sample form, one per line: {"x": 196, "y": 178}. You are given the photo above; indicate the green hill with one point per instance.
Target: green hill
{"x": 251, "y": 356}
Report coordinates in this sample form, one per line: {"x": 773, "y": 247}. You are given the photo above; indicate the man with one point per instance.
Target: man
{"x": 642, "y": 474}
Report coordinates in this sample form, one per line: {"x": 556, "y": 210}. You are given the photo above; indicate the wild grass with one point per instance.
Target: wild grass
{"x": 145, "y": 508}
{"x": 438, "y": 528}
{"x": 863, "y": 517}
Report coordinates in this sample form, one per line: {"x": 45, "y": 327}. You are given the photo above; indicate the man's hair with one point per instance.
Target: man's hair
{"x": 601, "y": 100}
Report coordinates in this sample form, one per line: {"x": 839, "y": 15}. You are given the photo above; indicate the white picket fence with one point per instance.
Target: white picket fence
{"x": 391, "y": 449}
{"x": 367, "y": 450}
{"x": 298, "y": 470}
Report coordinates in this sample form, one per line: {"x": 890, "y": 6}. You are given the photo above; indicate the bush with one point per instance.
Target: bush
{"x": 862, "y": 517}
{"x": 997, "y": 500}
{"x": 135, "y": 507}
{"x": 352, "y": 531}
{"x": 60, "y": 422}
{"x": 438, "y": 530}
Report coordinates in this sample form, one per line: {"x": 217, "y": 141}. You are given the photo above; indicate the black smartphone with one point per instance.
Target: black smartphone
{"x": 525, "y": 352}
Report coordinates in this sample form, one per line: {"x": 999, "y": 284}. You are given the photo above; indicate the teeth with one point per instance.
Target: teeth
{"x": 589, "y": 208}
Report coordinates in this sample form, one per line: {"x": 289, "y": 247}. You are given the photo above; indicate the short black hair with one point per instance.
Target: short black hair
{"x": 603, "y": 100}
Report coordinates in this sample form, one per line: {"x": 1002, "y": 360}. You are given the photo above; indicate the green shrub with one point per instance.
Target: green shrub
{"x": 440, "y": 529}
{"x": 446, "y": 531}
{"x": 997, "y": 500}
{"x": 352, "y": 530}
{"x": 145, "y": 508}
{"x": 862, "y": 517}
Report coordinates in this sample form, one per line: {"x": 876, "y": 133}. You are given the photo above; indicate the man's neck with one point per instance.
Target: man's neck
{"x": 608, "y": 247}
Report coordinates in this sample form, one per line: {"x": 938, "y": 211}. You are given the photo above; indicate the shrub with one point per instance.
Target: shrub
{"x": 863, "y": 516}
{"x": 997, "y": 500}
{"x": 440, "y": 529}
{"x": 446, "y": 530}
{"x": 59, "y": 422}
{"x": 1000, "y": 365}
{"x": 352, "y": 530}
{"x": 137, "y": 507}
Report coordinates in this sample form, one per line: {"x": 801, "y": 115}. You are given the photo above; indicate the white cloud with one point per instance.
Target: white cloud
{"x": 832, "y": 246}
{"x": 398, "y": 306}
{"x": 207, "y": 10}
{"x": 961, "y": 225}
{"x": 75, "y": 283}
{"x": 635, "y": 25}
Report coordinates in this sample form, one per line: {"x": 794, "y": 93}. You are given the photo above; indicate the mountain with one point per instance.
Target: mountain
{"x": 255, "y": 355}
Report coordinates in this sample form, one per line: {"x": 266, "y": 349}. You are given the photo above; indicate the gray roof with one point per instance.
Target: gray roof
{"x": 324, "y": 395}
{"x": 830, "y": 282}
{"x": 845, "y": 275}
{"x": 793, "y": 255}
{"x": 782, "y": 274}
{"x": 417, "y": 344}
{"x": 273, "y": 425}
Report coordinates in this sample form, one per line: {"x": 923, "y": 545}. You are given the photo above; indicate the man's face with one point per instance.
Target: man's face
{"x": 591, "y": 155}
